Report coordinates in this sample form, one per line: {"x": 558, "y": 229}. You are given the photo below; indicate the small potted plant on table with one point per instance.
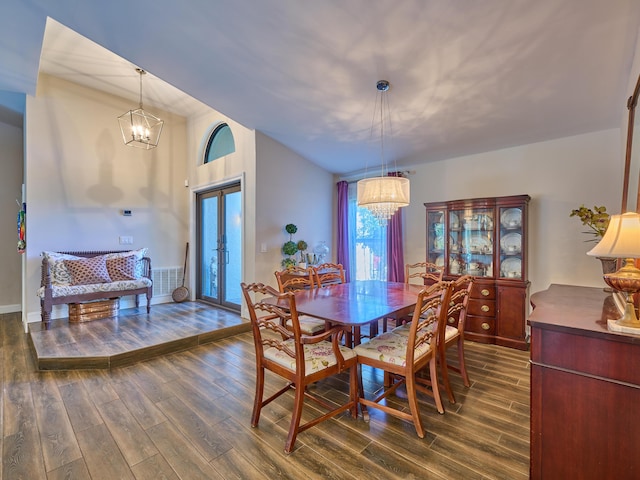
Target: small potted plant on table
{"x": 302, "y": 246}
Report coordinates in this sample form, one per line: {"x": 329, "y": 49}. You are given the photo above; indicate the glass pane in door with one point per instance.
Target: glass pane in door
{"x": 209, "y": 247}
{"x": 233, "y": 247}
{"x": 476, "y": 241}
{"x": 511, "y": 234}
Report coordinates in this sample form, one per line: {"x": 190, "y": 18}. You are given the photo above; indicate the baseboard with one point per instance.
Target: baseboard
{"x": 10, "y": 308}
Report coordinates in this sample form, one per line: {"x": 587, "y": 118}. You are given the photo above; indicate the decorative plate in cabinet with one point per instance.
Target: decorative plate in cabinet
{"x": 511, "y": 268}
{"x": 511, "y": 218}
{"x": 511, "y": 243}
{"x": 477, "y": 243}
{"x": 454, "y": 221}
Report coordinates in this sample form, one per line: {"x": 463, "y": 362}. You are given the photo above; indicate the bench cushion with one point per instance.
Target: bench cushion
{"x": 66, "y": 290}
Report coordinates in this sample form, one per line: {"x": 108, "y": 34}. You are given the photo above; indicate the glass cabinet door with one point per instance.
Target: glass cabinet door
{"x": 435, "y": 237}
{"x": 511, "y": 234}
{"x": 471, "y": 245}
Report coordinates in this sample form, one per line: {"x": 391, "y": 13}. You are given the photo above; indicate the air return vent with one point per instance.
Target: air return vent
{"x": 166, "y": 280}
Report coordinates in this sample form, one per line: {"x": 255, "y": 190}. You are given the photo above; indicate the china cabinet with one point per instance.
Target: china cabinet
{"x": 486, "y": 238}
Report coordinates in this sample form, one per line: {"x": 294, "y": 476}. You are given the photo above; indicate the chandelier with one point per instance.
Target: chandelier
{"x": 383, "y": 195}
{"x": 139, "y": 128}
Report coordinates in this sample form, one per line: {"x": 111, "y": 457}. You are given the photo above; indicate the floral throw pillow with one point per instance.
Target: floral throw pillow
{"x": 58, "y": 271}
{"x": 122, "y": 268}
{"x": 87, "y": 271}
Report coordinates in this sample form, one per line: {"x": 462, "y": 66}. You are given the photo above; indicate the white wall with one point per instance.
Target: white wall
{"x": 279, "y": 187}
{"x": 11, "y": 180}
{"x": 240, "y": 165}
{"x": 559, "y": 175}
{"x": 80, "y": 175}
{"x": 290, "y": 189}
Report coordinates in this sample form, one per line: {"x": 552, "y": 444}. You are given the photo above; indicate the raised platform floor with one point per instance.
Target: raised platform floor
{"x": 130, "y": 337}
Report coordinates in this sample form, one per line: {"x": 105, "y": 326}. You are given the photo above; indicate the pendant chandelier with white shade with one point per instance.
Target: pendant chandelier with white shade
{"x": 139, "y": 128}
{"x": 385, "y": 194}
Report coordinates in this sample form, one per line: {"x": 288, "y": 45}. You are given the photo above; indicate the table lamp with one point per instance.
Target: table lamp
{"x": 622, "y": 240}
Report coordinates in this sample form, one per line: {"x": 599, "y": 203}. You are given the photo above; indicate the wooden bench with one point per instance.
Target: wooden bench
{"x": 55, "y": 294}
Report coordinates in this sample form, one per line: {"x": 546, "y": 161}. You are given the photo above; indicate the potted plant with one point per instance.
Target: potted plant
{"x": 290, "y": 248}
{"x": 597, "y": 219}
{"x": 301, "y": 246}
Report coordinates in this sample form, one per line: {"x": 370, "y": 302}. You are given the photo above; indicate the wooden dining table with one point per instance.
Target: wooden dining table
{"x": 358, "y": 303}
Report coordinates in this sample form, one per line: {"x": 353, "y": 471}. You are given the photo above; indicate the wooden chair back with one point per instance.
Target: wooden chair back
{"x": 454, "y": 332}
{"x": 457, "y": 311}
{"x": 268, "y": 318}
{"x": 429, "y": 318}
{"x": 426, "y": 272}
{"x": 328, "y": 274}
{"x": 295, "y": 278}
{"x": 292, "y": 280}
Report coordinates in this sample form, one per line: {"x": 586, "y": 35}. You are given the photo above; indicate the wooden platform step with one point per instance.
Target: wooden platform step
{"x": 130, "y": 337}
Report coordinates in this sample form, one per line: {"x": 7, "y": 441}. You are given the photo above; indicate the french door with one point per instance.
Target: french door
{"x": 219, "y": 252}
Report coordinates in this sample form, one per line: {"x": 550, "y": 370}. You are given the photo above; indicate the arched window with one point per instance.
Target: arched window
{"x": 220, "y": 143}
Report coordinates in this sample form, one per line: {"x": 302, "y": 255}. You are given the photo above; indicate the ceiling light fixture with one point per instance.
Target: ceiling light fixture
{"x": 139, "y": 128}
{"x": 383, "y": 195}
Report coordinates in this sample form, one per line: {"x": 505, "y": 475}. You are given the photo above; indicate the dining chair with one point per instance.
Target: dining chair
{"x": 427, "y": 273}
{"x": 296, "y": 278}
{"x": 405, "y": 350}
{"x": 454, "y": 332}
{"x": 328, "y": 274}
{"x": 300, "y": 359}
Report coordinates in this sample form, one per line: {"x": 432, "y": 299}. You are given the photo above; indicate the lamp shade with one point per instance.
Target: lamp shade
{"x": 383, "y": 195}
{"x": 622, "y": 238}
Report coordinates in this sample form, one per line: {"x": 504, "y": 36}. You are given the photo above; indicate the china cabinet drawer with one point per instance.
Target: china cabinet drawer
{"x": 483, "y": 308}
{"x": 483, "y": 291}
{"x": 481, "y": 325}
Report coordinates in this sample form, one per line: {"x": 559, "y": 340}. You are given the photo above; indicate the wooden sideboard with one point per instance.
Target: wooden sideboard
{"x": 585, "y": 388}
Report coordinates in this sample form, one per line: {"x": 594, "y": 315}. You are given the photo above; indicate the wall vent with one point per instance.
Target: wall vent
{"x": 166, "y": 280}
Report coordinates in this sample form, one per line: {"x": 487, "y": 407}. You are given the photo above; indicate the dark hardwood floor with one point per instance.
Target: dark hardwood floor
{"x": 185, "y": 415}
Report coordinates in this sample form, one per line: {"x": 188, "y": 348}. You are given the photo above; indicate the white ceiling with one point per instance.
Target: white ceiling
{"x": 466, "y": 76}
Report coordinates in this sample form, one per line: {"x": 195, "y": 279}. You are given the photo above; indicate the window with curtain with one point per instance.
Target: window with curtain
{"x": 367, "y": 242}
